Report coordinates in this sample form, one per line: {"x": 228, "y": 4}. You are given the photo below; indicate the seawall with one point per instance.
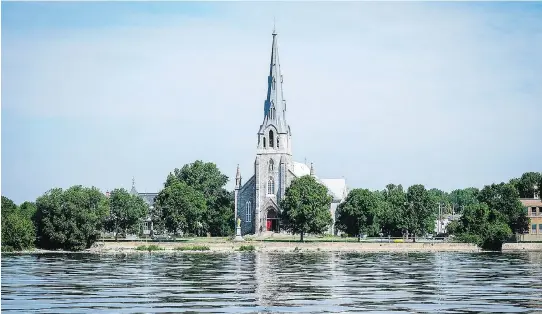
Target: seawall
{"x": 515, "y": 247}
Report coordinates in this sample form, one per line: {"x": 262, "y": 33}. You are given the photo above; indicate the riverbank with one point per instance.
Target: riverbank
{"x": 258, "y": 246}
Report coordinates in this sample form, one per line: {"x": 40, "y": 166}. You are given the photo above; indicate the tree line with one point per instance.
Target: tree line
{"x": 194, "y": 201}
{"x": 489, "y": 216}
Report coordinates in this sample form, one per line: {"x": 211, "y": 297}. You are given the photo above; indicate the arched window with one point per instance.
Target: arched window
{"x": 248, "y": 212}
{"x": 271, "y": 186}
{"x": 271, "y": 138}
{"x": 264, "y": 142}
{"x": 271, "y": 165}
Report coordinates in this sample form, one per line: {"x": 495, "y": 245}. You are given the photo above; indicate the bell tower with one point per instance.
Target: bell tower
{"x": 274, "y": 149}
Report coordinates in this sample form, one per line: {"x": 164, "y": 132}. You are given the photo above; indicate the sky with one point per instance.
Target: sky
{"x": 445, "y": 94}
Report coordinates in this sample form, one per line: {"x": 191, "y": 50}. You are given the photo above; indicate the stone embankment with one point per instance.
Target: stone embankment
{"x": 125, "y": 247}
{"x": 516, "y": 247}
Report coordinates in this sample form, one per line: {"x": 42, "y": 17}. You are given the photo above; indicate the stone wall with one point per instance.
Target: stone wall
{"x": 510, "y": 247}
{"x": 247, "y": 193}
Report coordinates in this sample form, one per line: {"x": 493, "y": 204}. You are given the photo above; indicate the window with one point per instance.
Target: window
{"x": 277, "y": 142}
{"x": 248, "y": 212}
{"x": 271, "y": 186}
{"x": 264, "y": 142}
{"x": 271, "y": 165}
{"x": 271, "y": 138}
{"x": 540, "y": 228}
{"x": 274, "y": 83}
{"x": 533, "y": 211}
{"x": 533, "y": 228}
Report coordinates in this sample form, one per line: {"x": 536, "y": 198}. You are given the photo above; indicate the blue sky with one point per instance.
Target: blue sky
{"x": 444, "y": 94}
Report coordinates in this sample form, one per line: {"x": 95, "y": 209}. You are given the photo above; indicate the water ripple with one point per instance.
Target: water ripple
{"x": 273, "y": 282}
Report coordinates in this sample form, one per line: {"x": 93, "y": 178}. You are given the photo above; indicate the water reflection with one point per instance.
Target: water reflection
{"x": 272, "y": 282}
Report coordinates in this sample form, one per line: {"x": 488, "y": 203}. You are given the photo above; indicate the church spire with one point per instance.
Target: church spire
{"x": 275, "y": 105}
{"x": 133, "y": 191}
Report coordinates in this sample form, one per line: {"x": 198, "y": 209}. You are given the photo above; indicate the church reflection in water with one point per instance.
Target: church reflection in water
{"x": 293, "y": 279}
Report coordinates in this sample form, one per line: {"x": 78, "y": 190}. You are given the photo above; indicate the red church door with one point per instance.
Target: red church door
{"x": 269, "y": 224}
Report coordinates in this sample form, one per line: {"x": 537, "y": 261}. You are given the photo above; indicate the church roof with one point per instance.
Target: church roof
{"x": 300, "y": 169}
{"x": 336, "y": 187}
{"x": 275, "y": 105}
{"x": 148, "y": 197}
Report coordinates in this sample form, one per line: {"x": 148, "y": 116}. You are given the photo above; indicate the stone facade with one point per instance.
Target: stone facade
{"x": 257, "y": 201}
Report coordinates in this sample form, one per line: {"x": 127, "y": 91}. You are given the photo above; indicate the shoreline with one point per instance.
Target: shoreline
{"x": 285, "y": 247}
{"x": 288, "y": 247}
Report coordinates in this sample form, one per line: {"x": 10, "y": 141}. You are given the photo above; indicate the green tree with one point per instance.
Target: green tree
{"x": 420, "y": 211}
{"x": 126, "y": 211}
{"x": 439, "y": 196}
{"x": 70, "y": 219}
{"x": 28, "y": 210}
{"x": 202, "y": 176}
{"x": 483, "y": 226}
{"x": 183, "y": 208}
{"x": 207, "y": 179}
{"x": 220, "y": 215}
{"x": 393, "y": 214}
{"x": 305, "y": 207}
{"x": 526, "y": 184}
{"x": 18, "y": 232}
{"x": 8, "y": 207}
{"x": 504, "y": 198}
{"x": 462, "y": 198}
{"x": 359, "y": 213}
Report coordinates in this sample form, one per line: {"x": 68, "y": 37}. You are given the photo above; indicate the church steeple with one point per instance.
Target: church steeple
{"x": 274, "y": 134}
{"x": 275, "y": 105}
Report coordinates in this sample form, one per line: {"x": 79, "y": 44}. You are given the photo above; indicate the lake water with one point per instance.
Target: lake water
{"x": 272, "y": 282}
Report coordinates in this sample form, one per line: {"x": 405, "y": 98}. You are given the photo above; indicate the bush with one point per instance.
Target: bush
{"x": 469, "y": 238}
{"x": 7, "y": 249}
{"x": 152, "y": 247}
{"x": 193, "y": 248}
{"x": 18, "y": 232}
{"x": 247, "y": 248}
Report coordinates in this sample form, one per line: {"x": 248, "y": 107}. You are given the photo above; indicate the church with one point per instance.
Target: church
{"x": 257, "y": 201}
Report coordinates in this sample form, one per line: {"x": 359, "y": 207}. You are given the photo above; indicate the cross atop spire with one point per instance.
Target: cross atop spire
{"x": 274, "y": 29}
